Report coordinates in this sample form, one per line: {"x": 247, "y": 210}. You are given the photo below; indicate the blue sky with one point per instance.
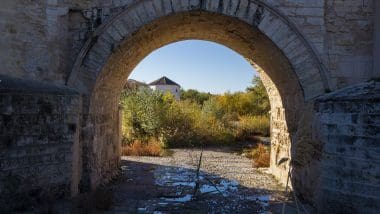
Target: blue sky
{"x": 195, "y": 64}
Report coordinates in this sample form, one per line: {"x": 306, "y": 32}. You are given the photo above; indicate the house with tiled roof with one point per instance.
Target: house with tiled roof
{"x": 165, "y": 85}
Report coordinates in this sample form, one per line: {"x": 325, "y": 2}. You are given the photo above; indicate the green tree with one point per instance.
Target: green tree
{"x": 259, "y": 96}
{"x": 195, "y": 96}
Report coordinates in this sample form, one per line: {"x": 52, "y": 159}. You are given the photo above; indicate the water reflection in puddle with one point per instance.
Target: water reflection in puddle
{"x": 184, "y": 181}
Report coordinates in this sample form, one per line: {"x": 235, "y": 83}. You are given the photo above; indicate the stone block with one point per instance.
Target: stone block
{"x": 38, "y": 143}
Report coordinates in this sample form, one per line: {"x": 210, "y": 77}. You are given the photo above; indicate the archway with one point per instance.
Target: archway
{"x": 288, "y": 66}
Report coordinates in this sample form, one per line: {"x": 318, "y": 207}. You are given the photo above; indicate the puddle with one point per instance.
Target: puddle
{"x": 189, "y": 184}
{"x": 183, "y": 199}
{"x": 141, "y": 209}
{"x": 125, "y": 168}
{"x": 207, "y": 189}
{"x": 219, "y": 193}
{"x": 224, "y": 187}
{"x": 262, "y": 199}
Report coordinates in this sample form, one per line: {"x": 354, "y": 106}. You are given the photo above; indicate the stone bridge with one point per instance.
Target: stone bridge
{"x": 64, "y": 63}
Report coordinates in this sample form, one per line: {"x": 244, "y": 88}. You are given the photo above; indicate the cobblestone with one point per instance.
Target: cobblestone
{"x": 227, "y": 183}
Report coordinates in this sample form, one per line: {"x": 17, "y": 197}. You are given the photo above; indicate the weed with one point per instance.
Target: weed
{"x": 138, "y": 148}
{"x": 260, "y": 156}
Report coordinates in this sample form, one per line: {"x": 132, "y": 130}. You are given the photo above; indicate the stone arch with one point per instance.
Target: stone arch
{"x": 292, "y": 72}
{"x": 306, "y": 63}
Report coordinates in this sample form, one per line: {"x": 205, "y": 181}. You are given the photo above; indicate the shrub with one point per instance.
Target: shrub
{"x": 249, "y": 126}
{"x": 199, "y": 119}
{"x": 137, "y": 148}
{"x": 143, "y": 114}
{"x": 188, "y": 124}
{"x": 260, "y": 156}
{"x": 179, "y": 125}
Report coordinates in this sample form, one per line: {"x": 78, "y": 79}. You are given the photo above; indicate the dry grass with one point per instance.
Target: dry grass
{"x": 260, "y": 156}
{"x": 138, "y": 148}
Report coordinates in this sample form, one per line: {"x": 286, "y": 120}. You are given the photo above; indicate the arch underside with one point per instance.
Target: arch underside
{"x": 286, "y": 64}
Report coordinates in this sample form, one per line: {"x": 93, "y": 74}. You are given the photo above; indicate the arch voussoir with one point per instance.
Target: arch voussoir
{"x": 270, "y": 25}
{"x": 247, "y": 11}
{"x": 282, "y": 32}
{"x": 230, "y": 7}
{"x": 210, "y": 5}
{"x": 113, "y": 35}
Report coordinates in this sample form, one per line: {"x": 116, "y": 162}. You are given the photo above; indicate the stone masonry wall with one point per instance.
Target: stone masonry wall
{"x": 348, "y": 52}
{"x": 348, "y": 122}
{"x": 39, "y": 151}
{"x": 341, "y": 32}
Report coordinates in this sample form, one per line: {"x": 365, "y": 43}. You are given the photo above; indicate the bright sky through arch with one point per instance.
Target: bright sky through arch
{"x": 195, "y": 64}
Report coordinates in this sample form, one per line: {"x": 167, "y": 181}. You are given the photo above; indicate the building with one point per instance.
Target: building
{"x": 134, "y": 84}
{"x": 165, "y": 85}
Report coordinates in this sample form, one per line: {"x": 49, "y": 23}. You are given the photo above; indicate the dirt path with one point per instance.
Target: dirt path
{"x": 226, "y": 183}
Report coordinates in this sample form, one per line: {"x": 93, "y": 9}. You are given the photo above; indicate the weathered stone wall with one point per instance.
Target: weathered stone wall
{"x": 349, "y": 41}
{"x": 39, "y": 141}
{"x": 101, "y": 147}
{"x": 341, "y": 32}
{"x": 41, "y": 39}
{"x": 376, "y": 43}
{"x": 114, "y": 67}
{"x": 305, "y": 47}
{"x": 349, "y": 128}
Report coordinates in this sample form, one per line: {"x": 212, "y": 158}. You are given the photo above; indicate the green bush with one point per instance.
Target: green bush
{"x": 143, "y": 114}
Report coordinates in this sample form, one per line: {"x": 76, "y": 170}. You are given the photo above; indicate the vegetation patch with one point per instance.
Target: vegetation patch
{"x": 260, "y": 155}
{"x": 249, "y": 126}
{"x": 153, "y": 120}
{"x": 138, "y": 148}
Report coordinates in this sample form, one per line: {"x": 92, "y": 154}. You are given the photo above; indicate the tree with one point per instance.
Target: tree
{"x": 259, "y": 96}
{"x": 195, "y": 96}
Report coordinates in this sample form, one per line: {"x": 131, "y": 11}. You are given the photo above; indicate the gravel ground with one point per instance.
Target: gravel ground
{"x": 225, "y": 183}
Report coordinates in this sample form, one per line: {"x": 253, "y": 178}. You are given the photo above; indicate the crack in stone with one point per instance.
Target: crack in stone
{"x": 220, "y": 6}
{"x": 258, "y": 17}
{"x": 171, "y": 6}
{"x": 229, "y": 6}
{"x": 202, "y": 4}
{"x": 246, "y": 14}
{"x": 93, "y": 41}
{"x": 162, "y": 6}
{"x": 237, "y": 8}
{"x": 154, "y": 8}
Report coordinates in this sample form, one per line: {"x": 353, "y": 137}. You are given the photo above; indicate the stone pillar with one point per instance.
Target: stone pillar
{"x": 39, "y": 142}
{"x": 348, "y": 124}
{"x": 376, "y": 42}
